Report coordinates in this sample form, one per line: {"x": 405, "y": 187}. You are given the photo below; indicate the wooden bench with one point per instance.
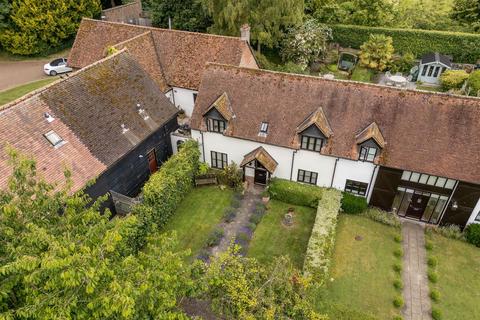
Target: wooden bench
{"x": 205, "y": 181}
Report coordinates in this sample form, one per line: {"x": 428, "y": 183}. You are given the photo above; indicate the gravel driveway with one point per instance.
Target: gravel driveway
{"x": 14, "y": 73}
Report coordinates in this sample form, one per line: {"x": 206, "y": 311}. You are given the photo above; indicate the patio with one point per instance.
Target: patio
{"x": 396, "y": 80}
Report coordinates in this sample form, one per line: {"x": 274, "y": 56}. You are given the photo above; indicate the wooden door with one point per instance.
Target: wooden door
{"x": 152, "y": 161}
{"x": 260, "y": 176}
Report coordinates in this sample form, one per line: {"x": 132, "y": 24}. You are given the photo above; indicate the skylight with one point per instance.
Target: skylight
{"x": 264, "y": 127}
{"x": 54, "y": 139}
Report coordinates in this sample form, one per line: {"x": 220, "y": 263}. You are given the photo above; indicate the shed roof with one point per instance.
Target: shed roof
{"x": 426, "y": 132}
{"x": 436, "y": 57}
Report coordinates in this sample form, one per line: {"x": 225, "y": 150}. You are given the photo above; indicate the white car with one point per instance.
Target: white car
{"x": 56, "y": 66}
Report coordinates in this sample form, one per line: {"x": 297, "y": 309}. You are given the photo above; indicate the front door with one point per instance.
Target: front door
{"x": 152, "y": 161}
{"x": 260, "y": 176}
{"x": 417, "y": 205}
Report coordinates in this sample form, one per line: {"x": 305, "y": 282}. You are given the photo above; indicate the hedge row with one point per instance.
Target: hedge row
{"x": 464, "y": 47}
{"x": 322, "y": 239}
{"x": 165, "y": 190}
{"x": 294, "y": 192}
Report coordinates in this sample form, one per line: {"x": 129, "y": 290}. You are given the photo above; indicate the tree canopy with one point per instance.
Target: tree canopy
{"x": 185, "y": 15}
{"x": 377, "y": 52}
{"x": 467, "y": 12}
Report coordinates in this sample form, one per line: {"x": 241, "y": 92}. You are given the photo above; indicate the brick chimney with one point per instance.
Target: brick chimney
{"x": 245, "y": 33}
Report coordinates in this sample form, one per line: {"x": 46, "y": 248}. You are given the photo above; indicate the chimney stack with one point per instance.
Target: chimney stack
{"x": 245, "y": 33}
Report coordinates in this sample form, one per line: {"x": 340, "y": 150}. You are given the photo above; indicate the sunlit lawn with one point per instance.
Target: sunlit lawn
{"x": 15, "y": 93}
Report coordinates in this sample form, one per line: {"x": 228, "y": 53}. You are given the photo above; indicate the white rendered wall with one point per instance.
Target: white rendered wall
{"x": 236, "y": 149}
{"x": 174, "y": 139}
{"x": 183, "y": 98}
{"x": 475, "y": 213}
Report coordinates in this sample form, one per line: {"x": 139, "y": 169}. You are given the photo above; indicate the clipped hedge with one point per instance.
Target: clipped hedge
{"x": 353, "y": 205}
{"x": 294, "y": 192}
{"x": 167, "y": 187}
{"x": 322, "y": 240}
{"x": 462, "y": 46}
{"x": 472, "y": 234}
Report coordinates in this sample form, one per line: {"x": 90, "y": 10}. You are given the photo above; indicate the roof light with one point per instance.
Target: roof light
{"x": 48, "y": 117}
{"x": 143, "y": 114}
{"x": 264, "y": 127}
{"x": 54, "y": 139}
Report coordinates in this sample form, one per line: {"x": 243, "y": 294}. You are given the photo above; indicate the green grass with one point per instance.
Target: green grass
{"x": 429, "y": 88}
{"x": 15, "y": 93}
{"x": 458, "y": 283}
{"x": 362, "y": 271}
{"x": 362, "y": 74}
{"x": 197, "y": 216}
{"x": 272, "y": 238}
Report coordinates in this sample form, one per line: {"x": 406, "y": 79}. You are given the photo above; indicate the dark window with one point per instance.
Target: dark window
{"x": 367, "y": 153}
{"x": 437, "y": 70}
{"x": 219, "y": 160}
{"x": 195, "y": 97}
{"x": 56, "y": 62}
{"x": 430, "y": 70}
{"x": 311, "y": 143}
{"x": 179, "y": 144}
{"x": 355, "y": 187}
{"x": 215, "y": 125}
{"x": 307, "y": 176}
{"x": 424, "y": 70}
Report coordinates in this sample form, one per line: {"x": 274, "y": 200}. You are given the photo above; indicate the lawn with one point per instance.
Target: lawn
{"x": 361, "y": 271}
{"x": 362, "y": 74}
{"x": 458, "y": 278}
{"x": 197, "y": 216}
{"x": 15, "y": 93}
{"x": 272, "y": 238}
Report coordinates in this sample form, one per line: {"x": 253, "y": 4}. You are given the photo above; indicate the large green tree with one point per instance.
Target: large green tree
{"x": 268, "y": 18}
{"x": 185, "y": 15}
{"x": 5, "y": 6}
{"x": 467, "y": 12}
{"x": 377, "y": 52}
{"x": 40, "y": 26}
{"x": 62, "y": 259}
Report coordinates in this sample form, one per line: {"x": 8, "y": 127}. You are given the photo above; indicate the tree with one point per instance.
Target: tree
{"x": 377, "y": 52}
{"x": 467, "y": 12}
{"x": 62, "y": 259}
{"x": 39, "y": 26}
{"x": 185, "y": 15}
{"x": 268, "y": 18}
{"x": 241, "y": 288}
{"x": 307, "y": 43}
{"x": 5, "y": 6}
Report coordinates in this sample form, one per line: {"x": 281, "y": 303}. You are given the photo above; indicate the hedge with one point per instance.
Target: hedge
{"x": 165, "y": 190}
{"x": 322, "y": 240}
{"x": 295, "y": 192}
{"x": 352, "y": 204}
{"x": 464, "y": 47}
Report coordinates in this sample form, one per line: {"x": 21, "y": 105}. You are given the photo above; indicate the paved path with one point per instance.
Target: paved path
{"x": 241, "y": 221}
{"x": 415, "y": 291}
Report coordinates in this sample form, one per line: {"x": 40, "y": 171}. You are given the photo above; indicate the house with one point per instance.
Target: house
{"x": 414, "y": 153}
{"x": 432, "y": 66}
{"x": 174, "y": 59}
{"x": 108, "y": 121}
{"x": 131, "y": 13}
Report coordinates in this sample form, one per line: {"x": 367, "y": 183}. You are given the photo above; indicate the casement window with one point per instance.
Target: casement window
{"x": 430, "y": 70}
{"x": 311, "y": 143}
{"x": 424, "y": 70}
{"x": 427, "y": 179}
{"x": 195, "y": 97}
{"x": 54, "y": 139}
{"x": 367, "y": 153}
{"x": 307, "y": 176}
{"x": 219, "y": 160}
{"x": 215, "y": 125}
{"x": 437, "y": 70}
{"x": 355, "y": 187}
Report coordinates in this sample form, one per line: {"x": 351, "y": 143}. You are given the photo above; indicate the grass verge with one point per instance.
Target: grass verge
{"x": 14, "y": 93}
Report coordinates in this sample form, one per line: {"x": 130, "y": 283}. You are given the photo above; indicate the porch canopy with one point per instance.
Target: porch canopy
{"x": 262, "y": 156}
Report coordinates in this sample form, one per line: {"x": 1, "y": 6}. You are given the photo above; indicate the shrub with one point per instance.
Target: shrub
{"x": 398, "y": 253}
{"x": 398, "y": 284}
{"x": 384, "y": 217}
{"x": 398, "y": 238}
{"x": 322, "y": 239}
{"x": 255, "y": 218}
{"x": 453, "y": 79}
{"x": 236, "y": 203}
{"x": 377, "y": 52}
{"x": 295, "y": 193}
{"x": 215, "y": 237}
{"x": 404, "y": 64}
{"x": 398, "y": 302}
{"x": 474, "y": 83}
{"x": 435, "y": 295}
{"x": 397, "y": 317}
{"x": 436, "y": 314}
{"x": 231, "y": 176}
{"x": 252, "y": 226}
{"x": 229, "y": 215}
{"x": 432, "y": 262}
{"x": 472, "y": 234}
{"x": 397, "y": 267}
{"x": 462, "y": 46}
{"x": 428, "y": 245}
{"x": 352, "y": 204}
{"x": 432, "y": 276}
{"x": 450, "y": 231}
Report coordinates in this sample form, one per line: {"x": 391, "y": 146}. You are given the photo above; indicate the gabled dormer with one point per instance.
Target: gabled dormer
{"x": 219, "y": 114}
{"x": 370, "y": 143}
{"x": 314, "y": 132}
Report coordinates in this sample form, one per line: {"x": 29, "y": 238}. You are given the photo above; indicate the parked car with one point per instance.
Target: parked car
{"x": 56, "y": 66}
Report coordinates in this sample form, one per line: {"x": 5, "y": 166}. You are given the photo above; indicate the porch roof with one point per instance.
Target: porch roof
{"x": 262, "y": 156}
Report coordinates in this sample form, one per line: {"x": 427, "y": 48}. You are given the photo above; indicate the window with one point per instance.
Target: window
{"x": 424, "y": 70}
{"x": 195, "y": 97}
{"x": 54, "y": 139}
{"x": 355, "y": 187}
{"x": 437, "y": 70}
{"x": 219, "y": 160}
{"x": 307, "y": 176}
{"x": 430, "y": 70}
{"x": 311, "y": 143}
{"x": 423, "y": 178}
{"x": 215, "y": 125}
{"x": 264, "y": 127}
{"x": 368, "y": 153}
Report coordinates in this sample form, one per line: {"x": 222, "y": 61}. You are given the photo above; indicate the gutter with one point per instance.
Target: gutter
{"x": 293, "y": 161}
{"x": 334, "y": 170}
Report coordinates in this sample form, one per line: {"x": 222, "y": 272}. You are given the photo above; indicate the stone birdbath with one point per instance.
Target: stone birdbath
{"x": 288, "y": 218}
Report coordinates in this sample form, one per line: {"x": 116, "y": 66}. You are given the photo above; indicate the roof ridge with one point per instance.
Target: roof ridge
{"x": 165, "y": 30}
{"x": 38, "y": 91}
{"x": 365, "y": 84}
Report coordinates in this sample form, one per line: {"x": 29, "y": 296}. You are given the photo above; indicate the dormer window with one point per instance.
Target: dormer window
{"x": 368, "y": 153}
{"x": 215, "y": 125}
{"x": 54, "y": 139}
{"x": 314, "y": 131}
{"x": 311, "y": 143}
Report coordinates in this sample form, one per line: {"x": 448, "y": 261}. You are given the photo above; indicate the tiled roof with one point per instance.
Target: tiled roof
{"x": 182, "y": 55}
{"x": 371, "y": 132}
{"x": 222, "y": 104}
{"x": 318, "y": 119}
{"x": 436, "y": 57}
{"x": 426, "y": 132}
{"x": 262, "y": 156}
{"x": 89, "y": 108}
